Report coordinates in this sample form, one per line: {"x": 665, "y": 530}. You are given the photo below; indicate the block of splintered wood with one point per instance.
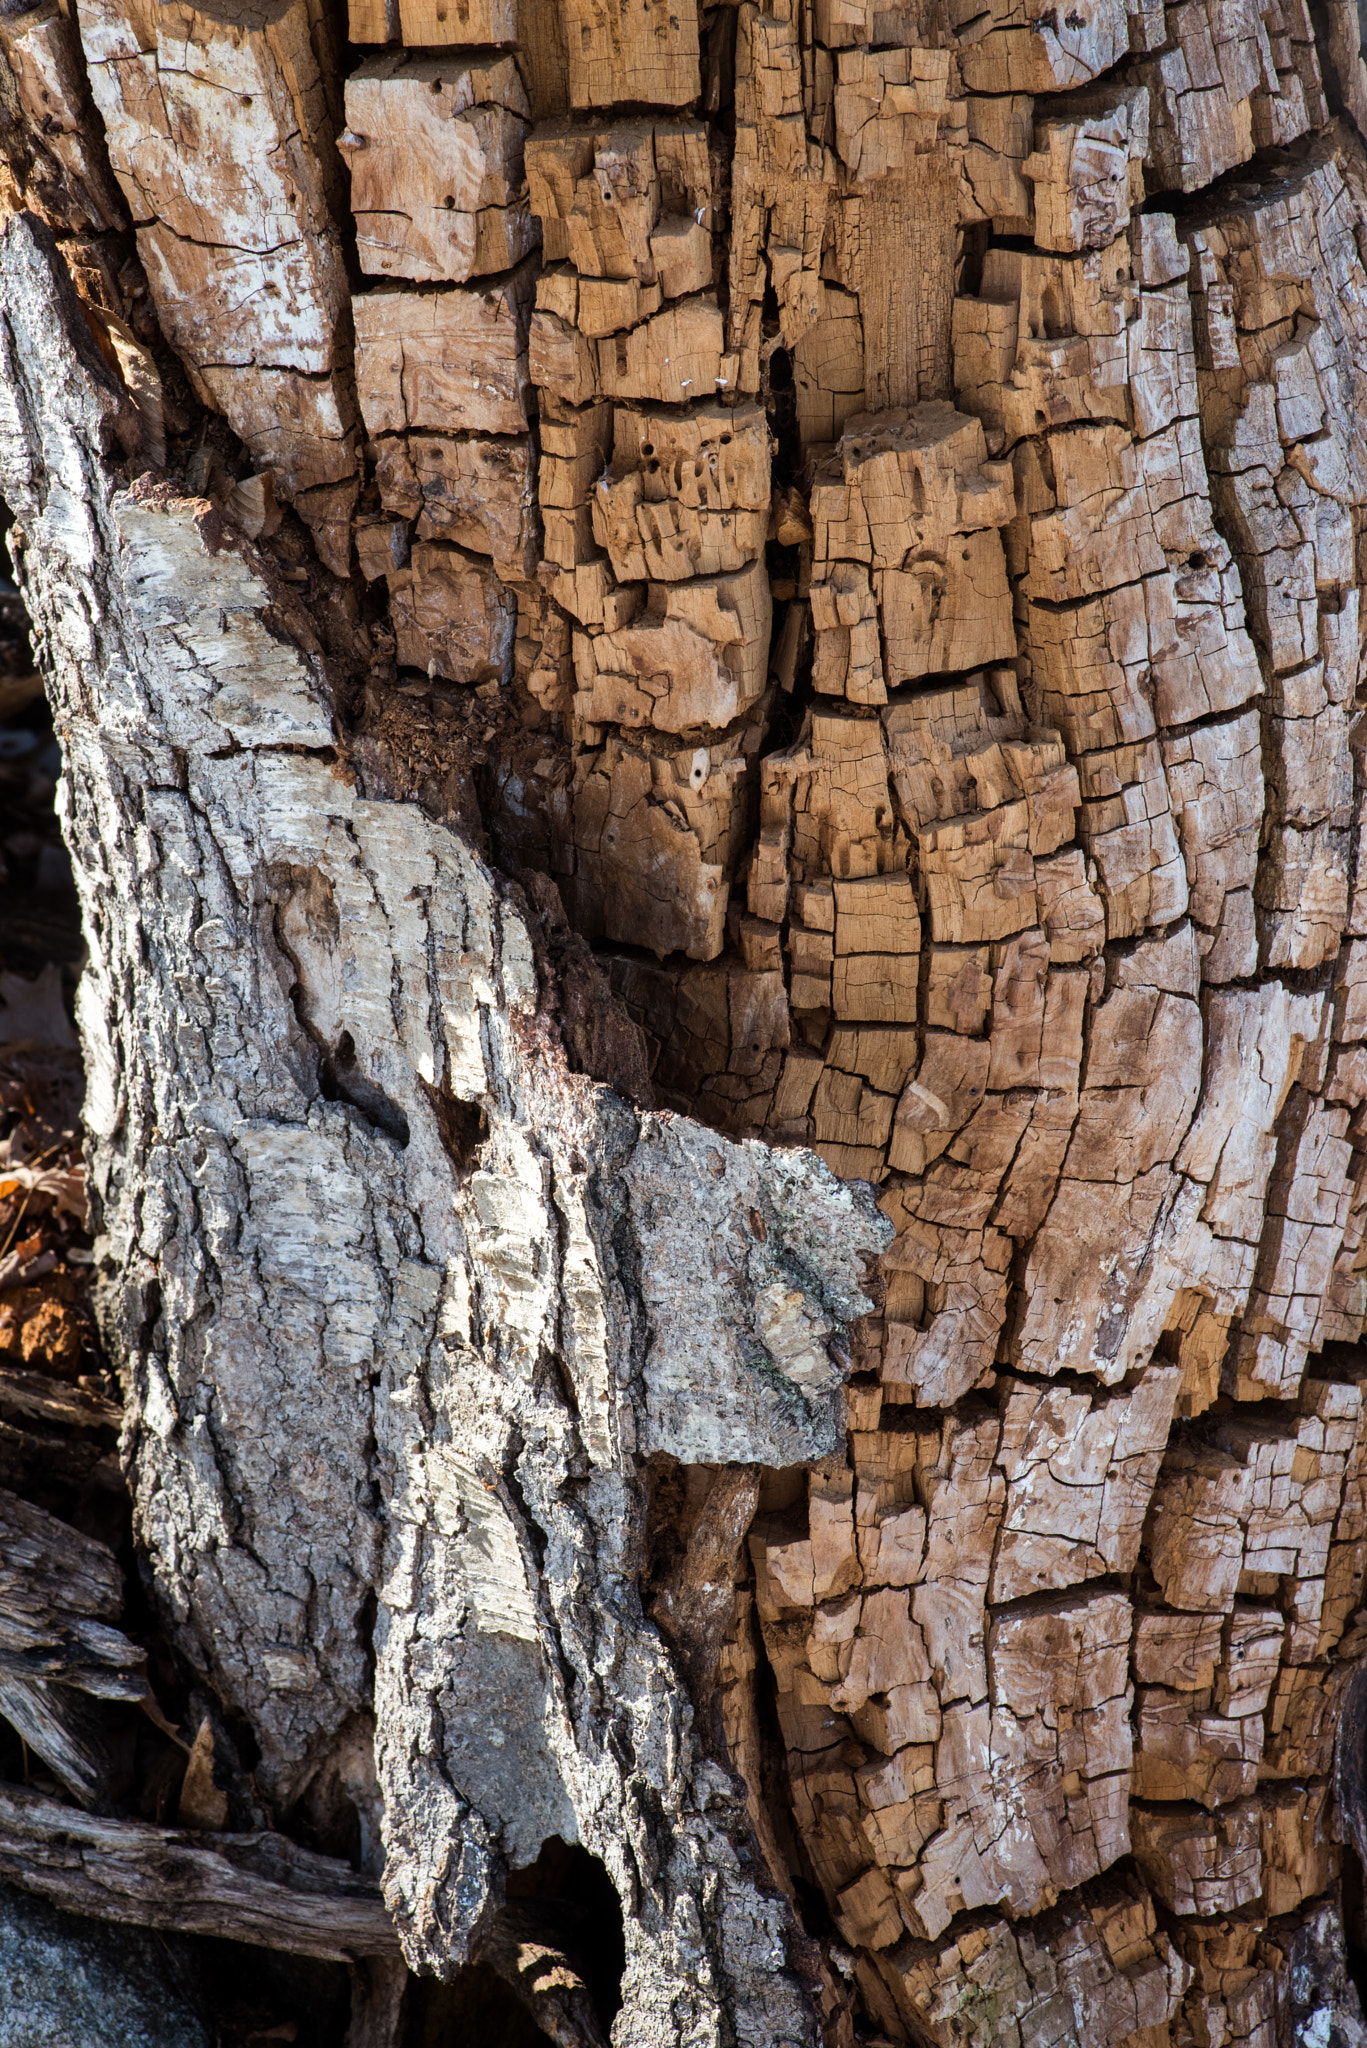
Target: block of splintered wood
{"x": 687, "y": 494}
{"x": 262, "y": 1889}
{"x": 452, "y": 616}
{"x": 451, "y": 361}
{"x": 912, "y": 500}
{"x": 627, "y": 212}
{"x": 434, "y": 146}
{"x": 654, "y": 837}
{"x": 694, "y": 657}
{"x": 61, "y": 1596}
{"x": 473, "y": 489}
{"x": 220, "y": 137}
{"x": 632, "y": 51}
{"x": 54, "y": 165}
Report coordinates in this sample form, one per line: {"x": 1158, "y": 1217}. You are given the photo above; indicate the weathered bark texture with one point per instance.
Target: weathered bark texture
{"x": 710, "y": 668}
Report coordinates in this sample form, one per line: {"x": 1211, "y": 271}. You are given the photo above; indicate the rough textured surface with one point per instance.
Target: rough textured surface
{"x": 918, "y": 685}
{"x": 67, "y": 1984}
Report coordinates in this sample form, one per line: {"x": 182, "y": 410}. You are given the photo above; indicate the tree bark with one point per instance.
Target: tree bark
{"x": 709, "y": 672}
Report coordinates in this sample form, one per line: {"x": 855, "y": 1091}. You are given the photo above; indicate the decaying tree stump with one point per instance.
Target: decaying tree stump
{"x": 709, "y": 668}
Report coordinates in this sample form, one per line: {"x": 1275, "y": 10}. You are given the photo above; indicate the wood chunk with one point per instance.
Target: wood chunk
{"x": 1080, "y": 1472}
{"x": 676, "y": 355}
{"x": 1231, "y": 1146}
{"x": 826, "y": 1804}
{"x": 261, "y": 1889}
{"x": 215, "y": 151}
{"x": 434, "y": 147}
{"x": 1215, "y": 786}
{"x": 1182, "y": 1755}
{"x": 682, "y": 250}
{"x": 1098, "y": 1958}
{"x": 1253, "y": 1642}
{"x": 1202, "y": 1340}
{"x": 912, "y": 494}
{"x": 1090, "y": 1302}
{"x": 1028, "y": 51}
{"x": 1230, "y": 1994}
{"x": 842, "y": 812}
{"x": 1142, "y": 1081}
{"x": 885, "y": 1651}
{"x": 606, "y": 197}
{"x": 892, "y": 1550}
{"x": 849, "y": 1116}
{"x": 957, "y": 993}
{"x": 945, "y": 1093}
{"x": 1304, "y": 1715}
{"x": 452, "y": 616}
{"x": 970, "y": 748}
{"x": 475, "y": 491}
{"x": 1196, "y": 1537}
{"x": 980, "y": 875}
{"x": 883, "y": 1057}
{"x": 1218, "y": 93}
{"x": 953, "y": 751}
{"x": 1158, "y": 523}
{"x": 866, "y": 1912}
{"x": 688, "y": 495}
{"x": 1041, "y": 345}
{"x": 655, "y": 843}
{"x": 561, "y": 360}
{"x": 576, "y": 443}
{"x": 1200, "y": 1863}
{"x": 220, "y": 138}
{"x": 867, "y": 986}
{"x": 65, "y": 180}
{"x": 894, "y": 236}
{"x": 1032, "y": 1178}
{"x": 888, "y": 107}
{"x": 1302, "y": 896}
{"x": 428, "y": 23}
{"x": 1307, "y": 1211}
{"x": 946, "y": 1243}
{"x": 452, "y": 361}
{"x": 1070, "y": 908}
{"x": 1037, "y": 1014}
{"x": 1088, "y": 170}
{"x": 784, "y": 1571}
{"x": 607, "y": 305}
{"x": 963, "y": 1496}
{"x": 622, "y": 53}
{"x": 828, "y": 367}
{"x": 830, "y": 1524}
{"x": 373, "y": 21}
{"x": 695, "y": 658}
{"x": 327, "y": 511}
{"x": 1298, "y": 1856}
{"x": 304, "y": 427}
{"x": 1058, "y": 1723}
{"x": 1179, "y": 1650}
